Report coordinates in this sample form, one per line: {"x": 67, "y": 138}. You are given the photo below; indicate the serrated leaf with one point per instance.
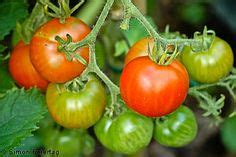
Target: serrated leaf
{"x": 136, "y": 30}
{"x": 20, "y": 111}
{"x": 11, "y": 11}
{"x": 228, "y": 135}
{"x": 121, "y": 47}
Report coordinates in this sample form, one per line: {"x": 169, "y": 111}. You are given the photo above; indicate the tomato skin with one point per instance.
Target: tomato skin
{"x": 22, "y": 70}
{"x": 45, "y": 57}
{"x": 153, "y": 90}
{"x": 209, "y": 66}
{"x": 76, "y": 110}
{"x": 127, "y": 133}
{"x": 140, "y": 48}
{"x": 178, "y": 128}
{"x": 71, "y": 143}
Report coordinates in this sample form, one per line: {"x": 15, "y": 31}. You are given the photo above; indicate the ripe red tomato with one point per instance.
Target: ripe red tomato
{"x": 151, "y": 89}
{"x": 22, "y": 69}
{"x": 45, "y": 57}
{"x": 140, "y": 48}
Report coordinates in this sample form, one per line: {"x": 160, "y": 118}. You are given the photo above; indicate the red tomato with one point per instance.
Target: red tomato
{"x": 151, "y": 89}
{"x": 22, "y": 69}
{"x": 45, "y": 57}
{"x": 140, "y": 48}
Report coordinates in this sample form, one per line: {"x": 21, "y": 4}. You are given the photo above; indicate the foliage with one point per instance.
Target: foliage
{"x": 20, "y": 110}
{"x": 13, "y": 11}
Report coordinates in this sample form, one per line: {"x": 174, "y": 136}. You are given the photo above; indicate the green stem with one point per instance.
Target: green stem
{"x": 93, "y": 67}
{"x": 220, "y": 83}
{"x": 133, "y": 11}
{"x": 91, "y": 38}
{"x": 89, "y": 12}
{"x": 90, "y": 41}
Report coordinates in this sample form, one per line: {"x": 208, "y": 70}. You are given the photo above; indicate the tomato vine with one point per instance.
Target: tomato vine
{"x": 198, "y": 43}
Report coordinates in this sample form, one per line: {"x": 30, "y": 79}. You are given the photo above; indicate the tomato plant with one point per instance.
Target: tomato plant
{"x": 76, "y": 109}
{"x": 48, "y": 61}
{"x": 211, "y": 65}
{"x": 22, "y": 69}
{"x": 140, "y": 48}
{"x": 127, "y": 133}
{"x": 176, "y": 129}
{"x": 153, "y": 83}
{"x": 69, "y": 142}
{"x": 151, "y": 89}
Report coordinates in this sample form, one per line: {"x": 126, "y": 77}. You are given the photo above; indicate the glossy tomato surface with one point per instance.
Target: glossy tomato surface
{"x": 76, "y": 109}
{"x": 176, "y": 129}
{"x": 45, "y": 57}
{"x": 211, "y": 65}
{"x": 126, "y": 133}
{"x": 140, "y": 48}
{"x": 151, "y": 89}
{"x": 22, "y": 70}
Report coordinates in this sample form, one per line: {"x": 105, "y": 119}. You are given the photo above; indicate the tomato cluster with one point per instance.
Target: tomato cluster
{"x": 148, "y": 89}
{"x": 41, "y": 61}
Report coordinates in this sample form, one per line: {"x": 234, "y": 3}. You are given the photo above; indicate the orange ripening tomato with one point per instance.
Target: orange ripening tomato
{"x": 45, "y": 56}
{"x": 140, "y": 48}
{"x": 22, "y": 70}
{"x": 151, "y": 89}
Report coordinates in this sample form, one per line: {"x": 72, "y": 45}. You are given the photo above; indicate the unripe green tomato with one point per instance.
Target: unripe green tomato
{"x": 176, "y": 129}
{"x": 208, "y": 66}
{"x": 71, "y": 143}
{"x": 77, "y": 109}
{"x": 127, "y": 133}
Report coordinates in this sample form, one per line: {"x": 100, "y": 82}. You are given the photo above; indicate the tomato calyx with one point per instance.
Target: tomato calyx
{"x": 115, "y": 109}
{"x": 63, "y": 11}
{"x": 163, "y": 56}
{"x": 70, "y": 54}
{"x": 75, "y": 85}
{"x": 206, "y": 39}
{"x": 78, "y": 84}
{"x": 172, "y": 35}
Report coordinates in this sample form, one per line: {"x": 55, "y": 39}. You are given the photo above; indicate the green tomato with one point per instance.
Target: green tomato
{"x": 176, "y": 129}
{"x": 127, "y": 133}
{"x": 211, "y": 65}
{"x": 69, "y": 142}
{"x": 228, "y": 135}
{"x": 77, "y": 109}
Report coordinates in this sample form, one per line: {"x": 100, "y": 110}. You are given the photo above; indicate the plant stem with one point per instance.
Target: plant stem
{"x": 89, "y": 12}
{"x": 91, "y": 37}
{"x": 93, "y": 67}
{"x": 90, "y": 41}
{"x": 221, "y": 83}
{"x": 133, "y": 11}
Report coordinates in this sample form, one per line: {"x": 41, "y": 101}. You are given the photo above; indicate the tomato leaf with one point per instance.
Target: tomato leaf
{"x": 228, "y": 135}
{"x": 11, "y": 12}
{"x": 6, "y": 81}
{"x": 121, "y": 47}
{"x": 20, "y": 110}
{"x": 136, "y": 30}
